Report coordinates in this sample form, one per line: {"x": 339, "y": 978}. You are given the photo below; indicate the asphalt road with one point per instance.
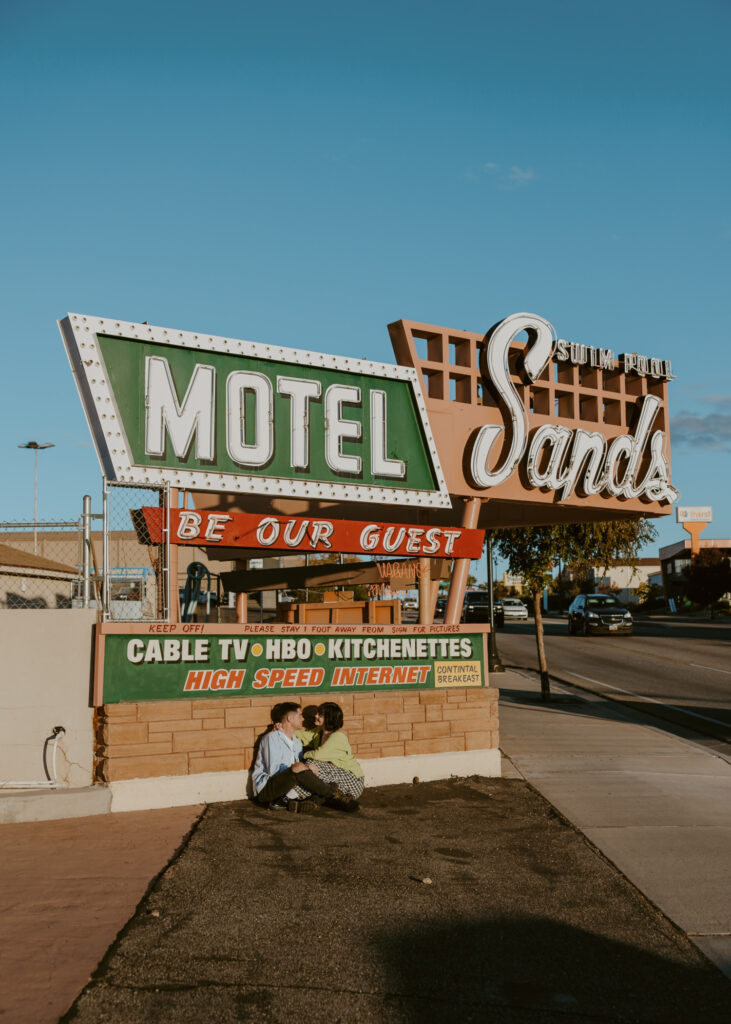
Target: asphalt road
{"x": 679, "y": 671}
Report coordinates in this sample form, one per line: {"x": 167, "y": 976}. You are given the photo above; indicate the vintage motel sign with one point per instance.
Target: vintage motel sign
{"x": 218, "y": 414}
{"x": 540, "y": 419}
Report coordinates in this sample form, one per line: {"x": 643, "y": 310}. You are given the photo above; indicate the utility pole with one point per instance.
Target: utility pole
{"x": 493, "y": 658}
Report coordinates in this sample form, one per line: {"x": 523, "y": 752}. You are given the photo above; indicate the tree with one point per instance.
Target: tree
{"x": 648, "y": 594}
{"x": 532, "y": 552}
{"x": 564, "y": 588}
{"x": 708, "y": 577}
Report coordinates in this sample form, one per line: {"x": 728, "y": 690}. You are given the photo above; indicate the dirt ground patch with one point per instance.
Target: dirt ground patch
{"x": 269, "y": 916}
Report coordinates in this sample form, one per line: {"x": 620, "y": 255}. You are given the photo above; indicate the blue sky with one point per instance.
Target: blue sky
{"x": 306, "y": 173}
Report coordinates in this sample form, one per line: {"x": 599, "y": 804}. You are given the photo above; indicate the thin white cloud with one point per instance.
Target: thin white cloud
{"x": 521, "y": 175}
{"x": 711, "y": 432}
{"x": 719, "y": 401}
{"x": 505, "y": 178}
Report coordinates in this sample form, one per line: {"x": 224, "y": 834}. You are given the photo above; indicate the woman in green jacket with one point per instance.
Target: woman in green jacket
{"x": 328, "y": 746}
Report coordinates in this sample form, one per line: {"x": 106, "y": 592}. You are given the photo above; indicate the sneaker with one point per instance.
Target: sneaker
{"x": 302, "y": 806}
{"x": 345, "y": 801}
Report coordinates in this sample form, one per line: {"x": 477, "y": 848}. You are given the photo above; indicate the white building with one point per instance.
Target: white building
{"x": 623, "y": 579}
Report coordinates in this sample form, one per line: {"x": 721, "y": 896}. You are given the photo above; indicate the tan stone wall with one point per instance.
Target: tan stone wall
{"x": 179, "y": 737}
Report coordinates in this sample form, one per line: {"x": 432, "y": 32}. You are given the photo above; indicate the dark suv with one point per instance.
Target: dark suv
{"x": 476, "y": 608}
{"x": 599, "y": 613}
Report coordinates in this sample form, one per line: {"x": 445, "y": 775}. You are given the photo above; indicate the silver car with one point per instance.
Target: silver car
{"x": 514, "y": 609}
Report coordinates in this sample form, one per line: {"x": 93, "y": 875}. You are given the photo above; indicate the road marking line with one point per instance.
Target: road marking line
{"x": 673, "y": 707}
{"x": 710, "y": 668}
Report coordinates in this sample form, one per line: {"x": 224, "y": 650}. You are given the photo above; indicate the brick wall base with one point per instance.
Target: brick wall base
{"x": 147, "y": 739}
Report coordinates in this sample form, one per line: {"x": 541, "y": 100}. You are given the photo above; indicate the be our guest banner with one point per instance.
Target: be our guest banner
{"x": 292, "y": 533}
{"x": 297, "y": 662}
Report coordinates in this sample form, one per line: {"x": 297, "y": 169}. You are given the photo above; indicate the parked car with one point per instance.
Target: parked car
{"x": 599, "y": 613}
{"x": 411, "y": 604}
{"x": 514, "y": 609}
{"x": 441, "y": 607}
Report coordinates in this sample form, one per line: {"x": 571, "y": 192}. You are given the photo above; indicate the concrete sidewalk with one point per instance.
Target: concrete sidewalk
{"x": 66, "y": 890}
{"x": 657, "y": 806}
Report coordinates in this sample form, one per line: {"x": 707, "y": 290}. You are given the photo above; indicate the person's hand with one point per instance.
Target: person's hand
{"x": 300, "y": 766}
{"x": 313, "y": 767}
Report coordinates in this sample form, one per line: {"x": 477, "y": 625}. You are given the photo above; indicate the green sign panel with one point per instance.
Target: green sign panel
{"x": 225, "y": 415}
{"x": 302, "y": 665}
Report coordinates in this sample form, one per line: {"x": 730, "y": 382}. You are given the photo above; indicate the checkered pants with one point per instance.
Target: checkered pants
{"x": 345, "y": 781}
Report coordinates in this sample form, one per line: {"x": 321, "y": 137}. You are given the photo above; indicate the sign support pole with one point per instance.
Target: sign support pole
{"x": 433, "y": 597}
{"x": 172, "y": 553}
{"x": 425, "y": 590}
{"x": 461, "y": 568}
{"x": 695, "y": 530}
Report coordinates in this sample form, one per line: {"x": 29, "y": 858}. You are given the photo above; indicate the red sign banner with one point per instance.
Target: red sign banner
{"x": 290, "y": 533}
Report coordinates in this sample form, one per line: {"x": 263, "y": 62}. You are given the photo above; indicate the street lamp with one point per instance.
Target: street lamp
{"x": 35, "y": 447}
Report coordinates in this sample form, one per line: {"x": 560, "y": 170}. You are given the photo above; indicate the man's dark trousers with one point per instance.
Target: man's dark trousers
{"x": 279, "y": 785}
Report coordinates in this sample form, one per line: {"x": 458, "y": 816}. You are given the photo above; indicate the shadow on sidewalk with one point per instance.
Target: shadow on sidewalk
{"x": 623, "y": 708}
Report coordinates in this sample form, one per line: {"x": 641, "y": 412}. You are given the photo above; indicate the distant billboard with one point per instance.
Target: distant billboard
{"x": 694, "y": 514}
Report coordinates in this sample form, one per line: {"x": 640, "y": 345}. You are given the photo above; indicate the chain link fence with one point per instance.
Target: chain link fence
{"x": 42, "y": 564}
{"x": 135, "y": 553}
{"x": 116, "y": 561}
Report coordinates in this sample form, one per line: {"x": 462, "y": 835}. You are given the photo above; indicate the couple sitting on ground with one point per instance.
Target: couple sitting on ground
{"x": 301, "y": 769}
